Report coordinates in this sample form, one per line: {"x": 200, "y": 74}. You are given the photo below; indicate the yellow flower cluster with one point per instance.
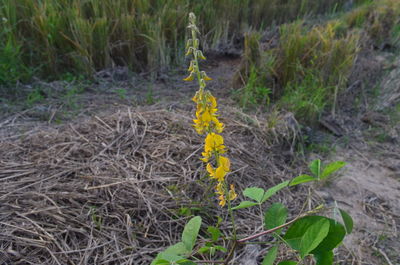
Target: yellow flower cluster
{"x": 207, "y": 122}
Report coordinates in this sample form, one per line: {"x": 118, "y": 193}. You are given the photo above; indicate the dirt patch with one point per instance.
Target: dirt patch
{"x": 370, "y": 193}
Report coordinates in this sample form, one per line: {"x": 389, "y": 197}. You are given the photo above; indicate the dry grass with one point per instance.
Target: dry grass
{"x": 110, "y": 190}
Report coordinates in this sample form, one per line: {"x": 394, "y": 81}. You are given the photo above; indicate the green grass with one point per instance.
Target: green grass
{"x": 304, "y": 73}
{"x": 83, "y": 36}
{"x": 311, "y": 64}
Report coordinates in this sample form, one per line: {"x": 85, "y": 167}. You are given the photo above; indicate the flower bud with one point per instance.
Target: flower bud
{"x": 190, "y": 77}
{"x": 200, "y": 55}
{"x": 205, "y": 76}
{"x": 189, "y": 51}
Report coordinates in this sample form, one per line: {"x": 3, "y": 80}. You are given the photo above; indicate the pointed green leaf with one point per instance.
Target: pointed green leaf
{"x": 215, "y": 232}
{"x": 347, "y": 220}
{"x": 315, "y": 168}
{"x": 301, "y": 179}
{"x": 244, "y": 204}
{"x": 324, "y": 258}
{"x": 270, "y": 256}
{"x": 313, "y": 236}
{"x": 190, "y": 232}
{"x": 275, "y": 216}
{"x": 254, "y": 193}
{"x": 331, "y": 168}
{"x": 271, "y": 191}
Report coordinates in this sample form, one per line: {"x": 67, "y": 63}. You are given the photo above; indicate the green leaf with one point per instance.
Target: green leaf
{"x": 332, "y": 168}
{"x": 221, "y": 248}
{"x": 244, "y": 204}
{"x": 165, "y": 258}
{"x": 270, "y": 256}
{"x": 313, "y": 236}
{"x": 315, "y": 168}
{"x": 335, "y": 236}
{"x": 273, "y": 190}
{"x": 324, "y": 258}
{"x": 215, "y": 232}
{"x": 275, "y": 216}
{"x": 190, "y": 232}
{"x": 295, "y": 232}
{"x": 347, "y": 220}
{"x": 177, "y": 249}
{"x": 288, "y": 262}
{"x": 254, "y": 193}
{"x": 301, "y": 179}
{"x": 204, "y": 249}
{"x": 161, "y": 262}
{"x": 186, "y": 262}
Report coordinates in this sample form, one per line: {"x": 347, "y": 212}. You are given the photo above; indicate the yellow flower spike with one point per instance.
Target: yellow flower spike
{"x": 232, "y": 194}
{"x": 190, "y": 77}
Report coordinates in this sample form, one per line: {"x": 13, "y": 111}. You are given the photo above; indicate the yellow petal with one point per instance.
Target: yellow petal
{"x": 232, "y": 194}
{"x": 190, "y": 77}
{"x": 220, "y": 174}
{"x": 205, "y": 76}
{"x": 210, "y": 170}
{"x": 222, "y": 200}
{"x": 225, "y": 163}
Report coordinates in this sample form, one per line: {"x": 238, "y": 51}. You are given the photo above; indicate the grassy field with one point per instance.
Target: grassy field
{"x": 48, "y": 38}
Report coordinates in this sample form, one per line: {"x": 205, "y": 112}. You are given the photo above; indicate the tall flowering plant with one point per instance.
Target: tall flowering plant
{"x": 207, "y": 122}
{"x": 309, "y": 236}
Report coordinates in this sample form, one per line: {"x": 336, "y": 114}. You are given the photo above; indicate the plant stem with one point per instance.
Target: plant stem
{"x": 271, "y": 230}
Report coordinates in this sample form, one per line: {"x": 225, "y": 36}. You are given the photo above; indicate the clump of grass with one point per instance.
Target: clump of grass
{"x": 304, "y": 73}
{"x": 379, "y": 19}
{"x": 253, "y": 74}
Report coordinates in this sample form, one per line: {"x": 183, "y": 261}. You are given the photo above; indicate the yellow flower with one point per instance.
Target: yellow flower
{"x": 218, "y": 174}
{"x": 232, "y": 194}
{"x": 219, "y": 188}
{"x": 214, "y": 142}
{"x": 224, "y": 163}
{"x": 205, "y": 76}
{"x": 222, "y": 200}
{"x": 190, "y": 77}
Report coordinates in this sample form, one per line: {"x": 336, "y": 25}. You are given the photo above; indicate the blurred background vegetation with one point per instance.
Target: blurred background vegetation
{"x": 49, "y": 39}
